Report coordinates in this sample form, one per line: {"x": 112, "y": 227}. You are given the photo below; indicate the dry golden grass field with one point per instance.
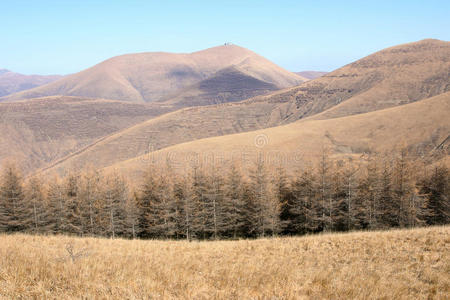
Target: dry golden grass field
{"x": 399, "y": 264}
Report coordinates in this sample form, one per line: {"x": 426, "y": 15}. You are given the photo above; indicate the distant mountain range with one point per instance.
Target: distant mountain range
{"x": 11, "y": 82}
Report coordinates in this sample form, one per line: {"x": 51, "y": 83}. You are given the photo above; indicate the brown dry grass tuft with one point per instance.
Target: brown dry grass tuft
{"x": 400, "y": 264}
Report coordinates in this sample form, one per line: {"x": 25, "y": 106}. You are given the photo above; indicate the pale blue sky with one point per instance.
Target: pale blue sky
{"x": 60, "y": 37}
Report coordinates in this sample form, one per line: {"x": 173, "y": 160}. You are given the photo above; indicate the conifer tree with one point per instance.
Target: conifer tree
{"x": 367, "y": 193}
{"x": 350, "y": 178}
{"x": 234, "y": 208}
{"x": 283, "y": 197}
{"x": 57, "y": 206}
{"x": 338, "y": 209}
{"x": 132, "y": 213}
{"x": 35, "y": 201}
{"x": 260, "y": 195}
{"x": 436, "y": 189}
{"x": 403, "y": 188}
{"x": 324, "y": 192}
{"x": 216, "y": 197}
{"x": 305, "y": 207}
{"x": 14, "y": 214}
{"x": 115, "y": 194}
{"x": 181, "y": 213}
{"x": 204, "y": 200}
{"x": 152, "y": 210}
{"x": 251, "y": 226}
{"x": 73, "y": 204}
{"x": 167, "y": 205}
{"x": 90, "y": 201}
{"x": 389, "y": 206}
{"x": 184, "y": 196}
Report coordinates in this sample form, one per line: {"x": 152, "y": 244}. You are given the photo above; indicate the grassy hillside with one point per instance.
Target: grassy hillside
{"x": 38, "y": 131}
{"x": 399, "y": 264}
{"x": 173, "y": 128}
{"x": 390, "y": 77}
{"x": 146, "y": 77}
{"x": 422, "y": 126}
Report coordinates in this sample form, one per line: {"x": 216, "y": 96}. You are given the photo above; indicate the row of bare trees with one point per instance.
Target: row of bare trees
{"x": 212, "y": 203}
{"x": 83, "y": 204}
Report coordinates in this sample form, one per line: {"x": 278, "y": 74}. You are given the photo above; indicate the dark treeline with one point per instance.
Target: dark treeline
{"x": 221, "y": 203}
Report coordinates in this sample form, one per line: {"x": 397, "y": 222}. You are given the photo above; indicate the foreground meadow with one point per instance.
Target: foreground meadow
{"x": 399, "y": 264}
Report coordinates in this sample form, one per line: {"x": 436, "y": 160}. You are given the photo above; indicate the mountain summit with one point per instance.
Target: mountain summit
{"x": 149, "y": 77}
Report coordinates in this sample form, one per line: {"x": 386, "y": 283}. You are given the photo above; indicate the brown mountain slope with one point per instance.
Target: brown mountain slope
{"x": 36, "y": 132}
{"x": 394, "y": 76}
{"x": 11, "y": 82}
{"x": 173, "y": 128}
{"x": 275, "y": 109}
{"x": 146, "y": 77}
{"x": 228, "y": 85}
{"x": 416, "y": 125}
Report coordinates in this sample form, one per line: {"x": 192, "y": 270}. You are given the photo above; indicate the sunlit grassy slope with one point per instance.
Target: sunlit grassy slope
{"x": 419, "y": 124}
{"x": 400, "y": 264}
